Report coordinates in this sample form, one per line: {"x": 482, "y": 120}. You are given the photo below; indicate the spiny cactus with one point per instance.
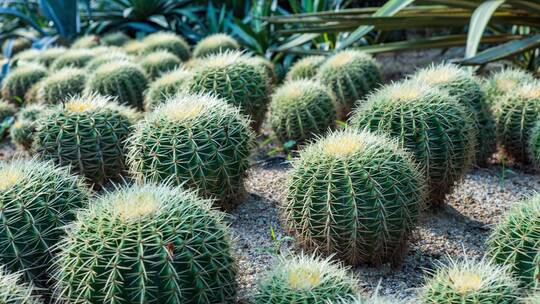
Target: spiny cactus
{"x": 516, "y": 241}
{"x": 86, "y": 42}
{"x": 22, "y": 131}
{"x": 87, "y": 134}
{"x": 356, "y": 195}
{"x": 505, "y": 81}
{"x": 198, "y": 141}
{"x": 115, "y": 39}
{"x": 163, "y": 41}
{"x": 428, "y": 122}
{"x": 159, "y": 62}
{"x": 18, "y": 44}
{"x": 147, "y": 244}
{"x": 123, "y": 80}
{"x": 467, "y": 90}
{"x": 28, "y": 55}
{"x": 534, "y": 145}
{"x": 305, "y": 68}
{"x": 6, "y": 110}
{"x": 300, "y": 110}
{"x": 470, "y": 282}
{"x": 267, "y": 66}
{"x": 133, "y": 47}
{"x": 516, "y": 114}
{"x": 214, "y": 44}
{"x": 36, "y": 199}
{"x": 20, "y": 80}
{"x": 533, "y": 298}
{"x": 100, "y": 60}
{"x": 14, "y": 291}
{"x": 103, "y": 50}
{"x": 165, "y": 87}
{"x": 47, "y": 56}
{"x": 234, "y": 78}
{"x": 351, "y": 75}
{"x": 305, "y": 279}
{"x": 76, "y": 58}
{"x": 61, "y": 85}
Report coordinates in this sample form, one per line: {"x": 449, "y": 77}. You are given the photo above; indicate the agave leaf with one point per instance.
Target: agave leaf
{"x": 504, "y": 50}
{"x": 478, "y": 23}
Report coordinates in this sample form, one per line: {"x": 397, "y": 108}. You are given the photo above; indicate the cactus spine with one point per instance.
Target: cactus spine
{"x": 100, "y": 60}
{"x": 305, "y": 68}
{"x": 61, "y": 85}
{"x": 505, "y": 81}
{"x": 47, "y": 56}
{"x": 163, "y": 41}
{"x": 6, "y": 110}
{"x": 115, "y": 39}
{"x": 157, "y": 63}
{"x": 19, "y": 81}
{"x": 215, "y": 44}
{"x": 76, "y": 58}
{"x": 86, "y": 42}
{"x": 165, "y": 87}
{"x": 13, "y": 291}
{"x": 23, "y": 129}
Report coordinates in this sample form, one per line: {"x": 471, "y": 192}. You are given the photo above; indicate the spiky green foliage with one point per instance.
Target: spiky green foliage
{"x": 6, "y": 110}
{"x": 76, "y": 58}
{"x": 505, "y": 81}
{"x": 36, "y": 199}
{"x": 19, "y": 44}
{"x": 100, "y": 60}
{"x": 214, "y": 44}
{"x": 305, "y": 279}
{"x": 87, "y": 134}
{"x": 165, "y": 87}
{"x": 164, "y": 41}
{"x": 305, "y": 68}
{"x": 147, "y": 244}
{"x": 86, "y": 42}
{"x": 157, "y": 63}
{"x": 61, "y": 85}
{"x": 300, "y": 110}
{"x": 351, "y": 75}
{"x": 233, "y": 77}
{"x": 197, "y": 141}
{"x": 123, "y": 80}
{"x": 14, "y": 291}
{"x": 356, "y": 195}
{"x": 47, "y": 56}
{"x": 428, "y": 122}
{"x": 22, "y": 131}
{"x": 516, "y": 114}
{"x": 467, "y": 90}
{"x": 516, "y": 241}
{"x": 115, "y": 39}
{"x": 534, "y": 145}
{"x": 20, "y": 80}
{"x": 470, "y": 282}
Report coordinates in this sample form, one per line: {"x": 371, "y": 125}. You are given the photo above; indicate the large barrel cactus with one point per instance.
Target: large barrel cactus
{"x": 61, "y": 85}
{"x": 165, "y": 87}
{"x": 14, "y": 291}
{"x": 115, "y": 39}
{"x": 86, "y": 133}
{"x": 534, "y": 145}
{"x": 86, "y": 42}
{"x": 356, "y": 195}
{"x": 268, "y": 68}
{"x": 214, "y": 44}
{"x": 20, "y": 80}
{"x": 76, "y": 58}
{"x": 147, "y": 244}
{"x": 107, "y": 58}
{"x": 162, "y": 41}
{"x": 22, "y": 131}
{"x": 6, "y": 110}
{"x": 428, "y": 122}
{"x": 305, "y": 68}
{"x": 159, "y": 62}
{"x": 505, "y": 81}
{"x": 197, "y": 141}
{"x": 47, "y": 56}
{"x": 36, "y": 200}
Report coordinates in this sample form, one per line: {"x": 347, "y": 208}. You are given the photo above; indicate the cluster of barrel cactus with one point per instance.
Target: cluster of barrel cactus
{"x": 20, "y": 80}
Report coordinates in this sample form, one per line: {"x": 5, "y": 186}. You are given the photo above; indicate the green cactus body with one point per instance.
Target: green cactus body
{"x": 47, "y": 56}
{"x": 157, "y": 63}
{"x": 26, "y": 56}
{"x": 505, "y": 81}
{"x": 163, "y": 41}
{"x": 76, "y": 58}
{"x": 165, "y": 87}
{"x": 13, "y": 291}
{"x": 6, "y": 110}
{"x": 133, "y": 47}
{"x": 301, "y": 110}
{"x": 470, "y": 282}
{"x": 100, "y": 60}
{"x": 356, "y": 195}
{"x": 123, "y": 80}
{"x": 197, "y": 141}
{"x": 534, "y": 145}
{"x": 115, "y": 39}
{"x": 232, "y": 77}
{"x": 20, "y": 80}
{"x": 533, "y": 298}
{"x": 60, "y": 85}
{"x": 305, "y": 279}
{"x": 36, "y": 200}
{"x": 19, "y": 44}
{"x": 215, "y": 44}
{"x": 87, "y": 134}
{"x": 351, "y": 75}
{"x": 516, "y": 241}
{"x": 86, "y": 42}
{"x": 468, "y": 92}
{"x": 267, "y": 67}
{"x": 147, "y": 244}
{"x": 22, "y": 131}
{"x": 306, "y": 68}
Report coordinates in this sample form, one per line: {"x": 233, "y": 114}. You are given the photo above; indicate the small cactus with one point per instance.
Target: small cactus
{"x": 165, "y": 87}
{"x": 86, "y": 42}
{"x": 159, "y": 62}
{"x": 147, "y": 244}
{"x": 300, "y": 110}
{"x": 115, "y": 39}
{"x": 20, "y": 80}
{"x": 305, "y": 68}
{"x": 100, "y": 60}
{"x": 505, "y": 81}
{"x": 534, "y": 145}
{"x": 22, "y": 131}
{"x": 28, "y": 55}
{"x": 428, "y": 122}
{"x": 76, "y": 58}
{"x": 47, "y": 56}
{"x": 6, "y": 110}
{"x": 356, "y": 195}
{"x": 197, "y": 141}
{"x": 267, "y": 66}
{"x": 14, "y": 291}
{"x": 215, "y": 44}
{"x": 61, "y": 85}
{"x": 133, "y": 47}
{"x": 18, "y": 45}
{"x": 163, "y": 41}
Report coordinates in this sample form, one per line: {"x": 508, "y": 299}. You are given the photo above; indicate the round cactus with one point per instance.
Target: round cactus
{"x": 20, "y": 80}
{"x": 468, "y": 92}
{"x": 214, "y": 44}
{"x": 133, "y": 47}
{"x": 61, "y": 85}
{"x": 6, "y": 110}
{"x": 22, "y": 131}
{"x": 305, "y": 68}
{"x": 147, "y": 244}
{"x": 267, "y": 67}
{"x": 163, "y": 41}
{"x": 36, "y": 199}
{"x": 197, "y": 141}
{"x": 470, "y": 282}
{"x": 13, "y": 291}
{"x": 165, "y": 87}
{"x": 534, "y": 145}
{"x": 233, "y": 77}
{"x": 47, "y": 56}
{"x": 351, "y": 75}
{"x": 123, "y": 80}
{"x": 76, "y": 58}
{"x": 516, "y": 114}
{"x": 86, "y": 42}
{"x": 505, "y": 81}
{"x": 305, "y": 279}
{"x": 18, "y": 45}
{"x": 159, "y": 62}
{"x": 100, "y": 60}
{"x": 86, "y": 133}
{"x": 356, "y": 195}
{"x": 428, "y": 122}
{"x": 300, "y": 110}
{"x": 516, "y": 241}
{"x": 115, "y": 39}
{"x": 28, "y": 55}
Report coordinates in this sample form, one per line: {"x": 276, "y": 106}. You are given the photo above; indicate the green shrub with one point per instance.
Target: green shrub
{"x": 47, "y": 56}
{"x": 505, "y": 81}
{"x": 60, "y": 85}
{"x": 305, "y": 68}
{"x": 356, "y": 195}
{"x": 100, "y": 60}
{"x": 13, "y": 291}
{"x": 159, "y": 62}
{"x": 76, "y": 58}
{"x": 197, "y": 141}
{"x": 86, "y": 42}
{"x": 147, "y": 244}
{"x": 165, "y": 87}
{"x": 20, "y": 80}
{"x": 428, "y": 122}
{"x": 215, "y": 44}
{"x": 115, "y": 39}
{"x": 6, "y": 110}
{"x": 163, "y": 41}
